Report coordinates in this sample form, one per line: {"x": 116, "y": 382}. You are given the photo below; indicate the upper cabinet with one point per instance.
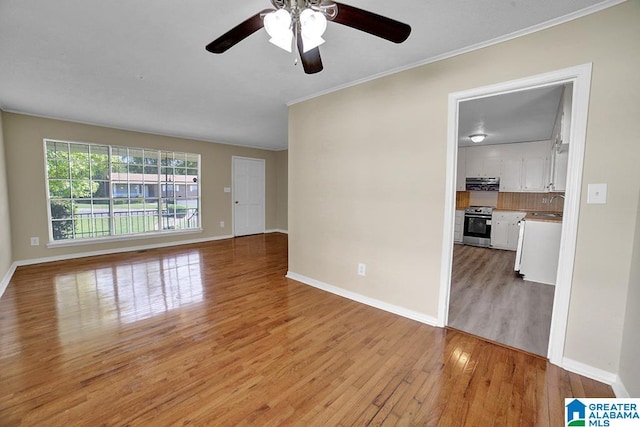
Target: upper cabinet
{"x": 561, "y": 139}
{"x": 521, "y": 167}
{"x": 524, "y": 167}
{"x": 483, "y": 161}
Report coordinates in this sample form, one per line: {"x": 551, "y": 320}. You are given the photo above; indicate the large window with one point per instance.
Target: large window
{"x": 97, "y": 191}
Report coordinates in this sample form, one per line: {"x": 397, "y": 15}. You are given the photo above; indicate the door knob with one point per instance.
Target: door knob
{"x": 236, "y": 202}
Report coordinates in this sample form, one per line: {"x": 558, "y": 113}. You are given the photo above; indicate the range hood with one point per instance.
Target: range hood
{"x": 483, "y": 184}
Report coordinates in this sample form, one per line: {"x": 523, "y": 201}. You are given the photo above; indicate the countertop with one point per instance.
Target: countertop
{"x": 530, "y": 217}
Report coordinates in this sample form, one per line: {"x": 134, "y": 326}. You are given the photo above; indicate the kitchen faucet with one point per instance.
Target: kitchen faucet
{"x": 554, "y": 196}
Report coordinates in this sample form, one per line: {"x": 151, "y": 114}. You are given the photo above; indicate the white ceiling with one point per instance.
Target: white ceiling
{"x": 522, "y": 116}
{"x": 141, "y": 64}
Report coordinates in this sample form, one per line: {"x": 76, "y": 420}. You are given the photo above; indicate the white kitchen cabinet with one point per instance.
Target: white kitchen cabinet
{"x": 534, "y": 174}
{"x": 458, "y": 228}
{"x": 523, "y": 167}
{"x": 483, "y": 167}
{"x": 483, "y": 161}
{"x": 504, "y": 229}
{"x": 539, "y": 251}
{"x": 511, "y": 174}
{"x": 461, "y": 171}
{"x": 559, "y": 163}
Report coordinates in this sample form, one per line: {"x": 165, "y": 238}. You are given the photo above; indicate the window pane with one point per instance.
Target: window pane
{"x": 61, "y": 209}
{"x": 135, "y": 161}
{"x": 151, "y": 190}
{"x": 121, "y": 217}
{"x": 59, "y": 189}
{"x": 99, "y": 162}
{"x": 153, "y": 170}
{"x": 119, "y": 155}
{"x": 120, "y": 190}
{"x": 62, "y": 229}
{"x": 57, "y": 168}
{"x": 79, "y": 164}
{"x": 101, "y": 189}
{"x": 82, "y": 189}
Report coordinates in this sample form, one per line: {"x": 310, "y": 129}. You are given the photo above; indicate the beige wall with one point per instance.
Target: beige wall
{"x": 629, "y": 372}
{"x": 370, "y": 187}
{"x": 282, "y": 158}
{"x": 5, "y": 225}
{"x": 26, "y": 181}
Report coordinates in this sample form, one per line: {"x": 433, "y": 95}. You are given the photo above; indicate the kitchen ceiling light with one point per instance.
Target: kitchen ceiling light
{"x": 478, "y": 137}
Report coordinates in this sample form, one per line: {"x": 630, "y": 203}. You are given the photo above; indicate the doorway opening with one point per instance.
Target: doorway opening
{"x": 578, "y": 78}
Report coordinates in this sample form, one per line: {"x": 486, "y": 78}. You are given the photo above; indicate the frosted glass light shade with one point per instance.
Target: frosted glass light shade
{"x": 312, "y": 25}
{"x": 278, "y": 26}
{"x": 478, "y": 137}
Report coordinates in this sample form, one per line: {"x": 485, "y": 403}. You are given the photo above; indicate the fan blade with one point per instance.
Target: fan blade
{"x": 311, "y": 61}
{"x": 238, "y": 33}
{"x": 372, "y": 23}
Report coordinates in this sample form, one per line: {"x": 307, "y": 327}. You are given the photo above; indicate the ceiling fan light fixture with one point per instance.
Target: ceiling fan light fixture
{"x": 278, "y": 26}
{"x": 477, "y": 137}
{"x": 312, "y": 26}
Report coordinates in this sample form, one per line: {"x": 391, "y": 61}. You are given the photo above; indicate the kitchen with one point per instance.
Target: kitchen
{"x": 510, "y": 183}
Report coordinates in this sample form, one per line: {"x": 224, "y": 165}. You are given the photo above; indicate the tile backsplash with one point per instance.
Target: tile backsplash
{"x": 531, "y": 202}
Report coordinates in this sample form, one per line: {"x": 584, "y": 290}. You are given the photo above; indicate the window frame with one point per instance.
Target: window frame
{"x": 161, "y": 199}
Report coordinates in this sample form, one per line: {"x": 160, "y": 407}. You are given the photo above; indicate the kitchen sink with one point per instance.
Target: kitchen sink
{"x": 547, "y": 214}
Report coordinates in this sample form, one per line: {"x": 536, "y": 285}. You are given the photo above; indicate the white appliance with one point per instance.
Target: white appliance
{"x": 538, "y": 251}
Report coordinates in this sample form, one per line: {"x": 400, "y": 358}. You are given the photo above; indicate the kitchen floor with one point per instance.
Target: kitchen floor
{"x": 489, "y": 299}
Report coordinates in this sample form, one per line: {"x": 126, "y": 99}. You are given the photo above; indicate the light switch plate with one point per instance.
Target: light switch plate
{"x": 227, "y": 189}
{"x": 596, "y": 194}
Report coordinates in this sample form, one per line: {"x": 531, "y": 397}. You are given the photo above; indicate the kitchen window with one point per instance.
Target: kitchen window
{"x": 97, "y": 191}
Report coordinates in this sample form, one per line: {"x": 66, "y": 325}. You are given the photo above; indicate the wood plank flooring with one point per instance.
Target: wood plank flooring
{"x": 214, "y": 334}
{"x": 489, "y": 299}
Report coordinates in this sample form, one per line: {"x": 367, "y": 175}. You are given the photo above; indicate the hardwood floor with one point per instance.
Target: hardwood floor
{"x": 213, "y": 334}
{"x": 490, "y": 300}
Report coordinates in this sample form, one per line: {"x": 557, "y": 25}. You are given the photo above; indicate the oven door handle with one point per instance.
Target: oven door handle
{"x": 477, "y": 216}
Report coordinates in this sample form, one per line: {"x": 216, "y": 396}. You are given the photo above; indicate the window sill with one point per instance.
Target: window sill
{"x": 111, "y": 239}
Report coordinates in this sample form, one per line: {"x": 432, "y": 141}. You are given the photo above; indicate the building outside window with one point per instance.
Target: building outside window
{"x": 98, "y": 191}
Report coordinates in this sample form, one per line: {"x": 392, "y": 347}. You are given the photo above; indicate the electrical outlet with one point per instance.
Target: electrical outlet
{"x": 35, "y": 241}
{"x": 221, "y": 224}
{"x": 362, "y": 269}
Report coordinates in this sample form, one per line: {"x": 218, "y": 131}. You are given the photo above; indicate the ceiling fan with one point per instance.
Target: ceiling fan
{"x": 305, "y": 21}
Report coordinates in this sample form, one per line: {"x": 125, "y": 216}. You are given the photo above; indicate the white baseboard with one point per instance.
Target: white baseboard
{"x": 7, "y": 278}
{"x": 119, "y": 250}
{"x": 277, "y": 230}
{"x": 619, "y": 389}
{"x": 400, "y": 311}
{"x": 589, "y": 371}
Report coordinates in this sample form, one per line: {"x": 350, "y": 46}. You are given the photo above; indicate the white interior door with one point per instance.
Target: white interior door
{"x": 248, "y": 196}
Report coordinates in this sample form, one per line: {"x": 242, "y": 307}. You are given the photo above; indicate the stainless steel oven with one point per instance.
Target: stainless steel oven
{"x": 477, "y": 226}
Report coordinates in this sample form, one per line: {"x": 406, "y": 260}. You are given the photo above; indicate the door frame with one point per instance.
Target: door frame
{"x": 233, "y": 191}
{"x": 580, "y": 76}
